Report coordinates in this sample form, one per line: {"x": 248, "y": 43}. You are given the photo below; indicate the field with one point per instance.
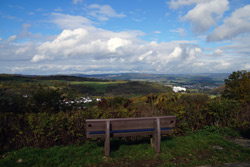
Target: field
{"x": 117, "y": 88}
{"x": 97, "y": 83}
{"x": 174, "y": 79}
{"x": 204, "y": 147}
{"x": 79, "y": 86}
{"x": 196, "y": 83}
{"x": 99, "y": 87}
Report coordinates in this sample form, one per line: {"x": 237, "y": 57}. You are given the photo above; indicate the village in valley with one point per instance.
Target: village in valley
{"x": 79, "y": 102}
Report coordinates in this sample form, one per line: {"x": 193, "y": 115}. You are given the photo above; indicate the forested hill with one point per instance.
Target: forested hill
{"x": 30, "y": 78}
{"x": 122, "y": 76}
{"x": 74, "y": 86}
{"x": 206, "y": 78}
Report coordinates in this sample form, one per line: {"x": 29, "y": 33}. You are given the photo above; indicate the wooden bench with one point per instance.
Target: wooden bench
{"x": 123, "y": 127}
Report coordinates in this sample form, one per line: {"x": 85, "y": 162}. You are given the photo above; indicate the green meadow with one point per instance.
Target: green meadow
{"x": 204, "y": 147}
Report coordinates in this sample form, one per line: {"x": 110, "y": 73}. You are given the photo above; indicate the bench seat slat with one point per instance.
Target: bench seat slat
{"x": 147, "y": 133}
{"x": 125, "y": 123}
{"x": 128, "y": 132}
{"x": 133, "y": 124}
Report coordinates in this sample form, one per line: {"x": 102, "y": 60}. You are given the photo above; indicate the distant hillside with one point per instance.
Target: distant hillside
{"x": 80, "y": 86}
{"x": 118, "y": 88}
{"x": 179, "y": 79}
{"x": 30, "y": 78}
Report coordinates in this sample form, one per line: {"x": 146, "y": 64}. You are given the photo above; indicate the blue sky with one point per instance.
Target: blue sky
{"x": 115, "y": 36}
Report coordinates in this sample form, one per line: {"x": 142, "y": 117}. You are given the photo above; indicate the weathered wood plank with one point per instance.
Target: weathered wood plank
{"x": 95, "y": 125}
{"x": 107, "y": 139}
{"x": 125, "y": 134}
{"x": 129, "y": 123}
{"x": 132, "y": 124}
{"x": 137, "y": 118}
{"x": 168, "y": 122}
{"x": 158, "y": 135}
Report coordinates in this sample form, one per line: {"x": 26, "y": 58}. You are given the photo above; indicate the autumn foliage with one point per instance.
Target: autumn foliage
{"x": 42, "y": 122}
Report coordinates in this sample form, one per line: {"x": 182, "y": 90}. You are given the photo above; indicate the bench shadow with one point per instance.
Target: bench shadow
{"x": 115, "y": 143}
{"x": 128, "y": 141}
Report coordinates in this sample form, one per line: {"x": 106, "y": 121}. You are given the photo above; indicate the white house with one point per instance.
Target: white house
{"x": 179, "y": 89}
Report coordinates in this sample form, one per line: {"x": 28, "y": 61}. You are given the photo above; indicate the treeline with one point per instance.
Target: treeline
{"x": 30, "y": 78}
{"x": 46, "y": 123}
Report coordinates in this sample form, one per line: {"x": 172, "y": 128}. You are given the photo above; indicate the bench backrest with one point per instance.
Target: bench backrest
{"x": 121, "y": 127}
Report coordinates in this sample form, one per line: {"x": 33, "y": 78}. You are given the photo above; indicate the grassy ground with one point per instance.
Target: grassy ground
{"x": 99, "y": 87}
{"x": 97, "y": 83}
{"x": 118, "y": 88}
{"x": 201, "y": 148}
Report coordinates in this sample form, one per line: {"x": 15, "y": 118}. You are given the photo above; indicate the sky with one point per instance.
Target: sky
{"x": 124, "y": 36}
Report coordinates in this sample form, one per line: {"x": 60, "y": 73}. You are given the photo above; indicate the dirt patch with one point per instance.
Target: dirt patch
{"x": 241, "y": 141}
{"x": 246, "y": 164}
{"x": 203, "y": 155}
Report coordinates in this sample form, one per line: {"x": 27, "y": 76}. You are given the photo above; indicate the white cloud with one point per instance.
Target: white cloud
{"x": 100, "y": 51}
{"x": 238, "y": 47}
{"x": 38, "y": 58}
{"x": 82, "y": 43}
{"x": 193, "y": 53}
{"x": 204, "y": 15}
{"x": 77, "y": 1}
{"x": 62, "y": 45}
{"x": 218, "y": 52}
{"x": 157, "y": 32}
{"x": 144, "y": 55}
{"x": 123, "y": 51}
{"x": 103, "y": 12}
{"x": 11, "y": 38}
{"x": 65, "y": 21}
{"x": 21, "y": 50}
{"x": 222, "y": 64}
{"x": 176, "y": 53}
{"x": 246, "y": 67}
{"x": 114, "y": 43}
{"x": 174, "y": 4}
{"x": 238, "y": 23}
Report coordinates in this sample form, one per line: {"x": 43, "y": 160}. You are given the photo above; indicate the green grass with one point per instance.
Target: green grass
{"x": 118, "y": 88}
{"x": 99, "y": 87}
{"x": 97, "y": 83}
{"x": 212, "y": 96}
{"x": 201, "y": 148}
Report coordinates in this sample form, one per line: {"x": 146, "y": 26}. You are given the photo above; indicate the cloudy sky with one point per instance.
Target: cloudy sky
{"x": 117, "y": 36}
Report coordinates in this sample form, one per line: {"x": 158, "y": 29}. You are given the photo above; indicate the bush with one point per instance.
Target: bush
{"x": 42, "y": 129}
{"x": 224, "y": 113}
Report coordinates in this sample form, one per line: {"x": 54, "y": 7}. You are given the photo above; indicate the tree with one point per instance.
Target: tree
{"x": 237, "y": 86}
{"x": 47, "y": 100}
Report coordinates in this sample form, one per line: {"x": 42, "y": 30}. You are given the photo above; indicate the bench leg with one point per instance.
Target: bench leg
{"x": 157, "y": 136}
{"x": 107, "y": 139}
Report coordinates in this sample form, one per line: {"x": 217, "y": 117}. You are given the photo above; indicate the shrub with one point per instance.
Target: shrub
{"x": 42, "y": 129}
{"x": 224, "y": 113}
